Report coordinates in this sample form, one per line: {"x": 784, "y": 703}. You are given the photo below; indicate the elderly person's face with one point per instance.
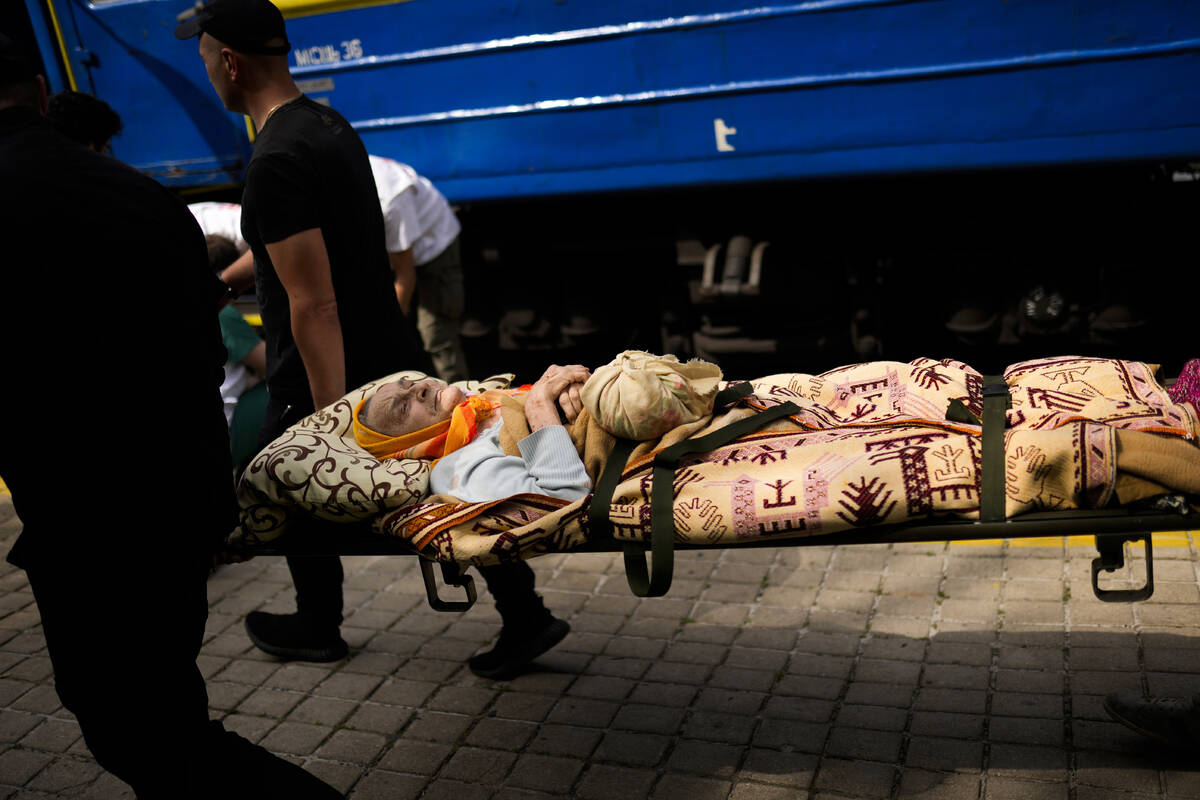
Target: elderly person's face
{"x": 407, "y": 406}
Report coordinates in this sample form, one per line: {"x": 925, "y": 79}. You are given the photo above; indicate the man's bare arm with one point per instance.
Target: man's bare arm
{"x": 240, "y": 274}
{"x": 256, "y": 360}
{"x": 302, "y": 264}
{"x": 406, "y": 278}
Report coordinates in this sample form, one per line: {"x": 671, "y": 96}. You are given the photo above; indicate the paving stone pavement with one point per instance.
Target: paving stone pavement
{"x": 904, "y": 671}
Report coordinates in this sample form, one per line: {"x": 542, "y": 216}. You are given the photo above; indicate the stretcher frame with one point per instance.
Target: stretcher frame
{"x": 1111, "y": 527}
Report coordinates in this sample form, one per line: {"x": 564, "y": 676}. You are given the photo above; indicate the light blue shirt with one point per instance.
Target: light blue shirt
{"x": 482, "y": 471}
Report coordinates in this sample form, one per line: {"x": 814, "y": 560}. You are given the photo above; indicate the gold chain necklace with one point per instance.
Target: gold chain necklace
{"x": 275, "y": 108}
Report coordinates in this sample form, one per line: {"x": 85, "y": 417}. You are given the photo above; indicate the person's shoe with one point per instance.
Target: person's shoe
{"x": 510, "y": 655}
{"x": 1171, "y": 720}
{"x": 286, "y": 636}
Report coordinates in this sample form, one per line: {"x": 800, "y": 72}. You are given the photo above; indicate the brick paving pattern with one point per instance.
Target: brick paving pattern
{"x": 904, "y": 671}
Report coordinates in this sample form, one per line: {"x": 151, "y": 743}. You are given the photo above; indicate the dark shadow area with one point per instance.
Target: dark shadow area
{"x": 880, "y": 716}
{"x": 988, "y": 268}
{"x": 801, "y": 673}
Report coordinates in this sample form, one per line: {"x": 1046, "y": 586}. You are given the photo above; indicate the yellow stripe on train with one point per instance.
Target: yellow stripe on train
{"x": 303, "y": 8}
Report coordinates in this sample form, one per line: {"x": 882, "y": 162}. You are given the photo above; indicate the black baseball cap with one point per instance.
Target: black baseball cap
{"x": 244, "y": 25}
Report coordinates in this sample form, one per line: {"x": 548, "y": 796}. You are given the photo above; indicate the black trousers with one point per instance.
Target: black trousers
{"x": 123, "y": 633}
{"x": 318, "y": 582}
{"x": 318, "y": 579}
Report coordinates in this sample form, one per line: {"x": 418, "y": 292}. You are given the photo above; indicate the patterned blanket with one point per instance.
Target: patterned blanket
{"x": 871, "y": 445}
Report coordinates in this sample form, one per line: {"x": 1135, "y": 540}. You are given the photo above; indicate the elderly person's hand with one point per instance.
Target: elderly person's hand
{"x": 558, "y": 387}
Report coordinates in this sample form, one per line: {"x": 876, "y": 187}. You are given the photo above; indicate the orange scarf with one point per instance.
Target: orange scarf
{"x": 439, "y": 439}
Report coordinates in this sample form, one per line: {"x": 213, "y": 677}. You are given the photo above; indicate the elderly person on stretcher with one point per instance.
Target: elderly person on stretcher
{"x": 497, "y": 477}
{"x": 429, "y": 419}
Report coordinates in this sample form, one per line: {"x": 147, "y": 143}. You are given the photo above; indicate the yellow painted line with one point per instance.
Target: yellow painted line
{"x": 250, "y": 129}
{"x": 1165, "y": 539}
{"x": 62, "y": 46}
{"x": 1172, "y": 539}
{"x": 303, "y": 8}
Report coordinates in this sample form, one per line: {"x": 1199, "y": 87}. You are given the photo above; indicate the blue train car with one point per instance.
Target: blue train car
{"x": 837, "y": 178}
{"x": 545, "y": 97}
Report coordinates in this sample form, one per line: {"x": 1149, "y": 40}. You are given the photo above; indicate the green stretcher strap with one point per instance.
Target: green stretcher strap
{"x": 656, "y": 581}
{"x": 731, "y": 394}
{"x": 957, "y": 412}
{"x": 991, "y": 481}
{"x": 599, "y": 525}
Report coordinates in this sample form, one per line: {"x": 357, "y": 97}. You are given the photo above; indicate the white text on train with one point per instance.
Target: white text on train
{"x": 328, "y": 53}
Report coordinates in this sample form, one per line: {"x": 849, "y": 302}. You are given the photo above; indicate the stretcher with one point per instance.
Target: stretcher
{"x": 1112, "y": 529}
{"x": 658, "y": 538}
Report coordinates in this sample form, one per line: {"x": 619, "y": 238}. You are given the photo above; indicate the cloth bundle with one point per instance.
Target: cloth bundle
{"x": 641, "y": 396}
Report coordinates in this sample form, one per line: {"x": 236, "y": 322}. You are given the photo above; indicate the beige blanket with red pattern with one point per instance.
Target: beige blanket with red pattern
{"x": 871, "y": 445}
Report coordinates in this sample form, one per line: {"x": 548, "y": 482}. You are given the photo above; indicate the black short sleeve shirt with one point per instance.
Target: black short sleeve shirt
{"x": 310, "y": 170}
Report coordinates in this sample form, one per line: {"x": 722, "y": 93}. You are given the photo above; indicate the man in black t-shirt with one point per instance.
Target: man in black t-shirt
{"x": 311, "y": 218}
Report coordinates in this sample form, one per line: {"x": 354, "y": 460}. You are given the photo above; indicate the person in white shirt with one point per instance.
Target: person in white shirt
{"x": 422, "y": 244}
{"x": 225, "y": 219}
{"x": 220, "y": 219}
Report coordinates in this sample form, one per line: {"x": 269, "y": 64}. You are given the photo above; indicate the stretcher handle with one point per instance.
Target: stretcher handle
{"x": 657, "y": 580}
{"x": 453, "y": 575}
{"x": 1111, "y": 557}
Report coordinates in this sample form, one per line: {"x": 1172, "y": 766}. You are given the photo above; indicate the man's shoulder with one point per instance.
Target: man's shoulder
{"x": 302, "y": 118}
{"x": 281, "y": 158}
{"x": 298, "y": 134}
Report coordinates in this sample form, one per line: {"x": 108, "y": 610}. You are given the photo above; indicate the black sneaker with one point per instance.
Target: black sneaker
{"x": 1171, "y": 720}
{"x": 286, "y": 636}
{"x": 510, "y": 655}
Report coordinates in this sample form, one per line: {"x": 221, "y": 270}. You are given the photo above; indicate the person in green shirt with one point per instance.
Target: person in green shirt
{"x": 243, "y": 390}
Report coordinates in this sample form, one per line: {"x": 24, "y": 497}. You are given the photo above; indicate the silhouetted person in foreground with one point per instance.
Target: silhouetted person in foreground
{"x": 119, "y": 529}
